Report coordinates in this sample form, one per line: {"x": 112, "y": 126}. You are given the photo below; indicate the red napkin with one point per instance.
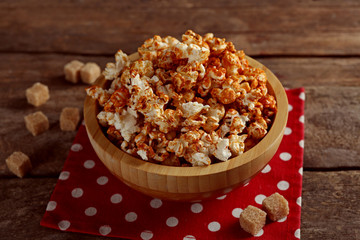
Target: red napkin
{"x": 89, "y": 199}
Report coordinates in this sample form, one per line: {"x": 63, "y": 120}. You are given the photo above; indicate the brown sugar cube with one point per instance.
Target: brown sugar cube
{"x": 276, "y": 206}
{"x": 19, "y": 164}
{"x": 38, "y": 94}
{"x": 252, "y": 219}
{"x": 72, "y": 71}
{"x": 90, "y": 72}
{"x": 36, "y": 123}
{"x": 69, "y": 119}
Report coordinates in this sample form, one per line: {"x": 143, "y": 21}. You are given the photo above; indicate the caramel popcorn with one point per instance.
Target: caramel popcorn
{"x": 185, "y": 103}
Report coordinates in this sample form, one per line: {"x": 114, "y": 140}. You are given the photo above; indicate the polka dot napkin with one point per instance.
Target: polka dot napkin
{"x": 88, "y": 199}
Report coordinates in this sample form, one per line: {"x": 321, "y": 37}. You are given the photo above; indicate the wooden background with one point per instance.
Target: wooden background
{"x": 314, "y": 44}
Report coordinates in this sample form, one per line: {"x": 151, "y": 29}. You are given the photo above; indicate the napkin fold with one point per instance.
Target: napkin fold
{"x": 89, "y": 199}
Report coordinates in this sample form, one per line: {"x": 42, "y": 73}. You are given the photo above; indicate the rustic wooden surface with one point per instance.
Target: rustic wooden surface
{"x": 314, "y": 44}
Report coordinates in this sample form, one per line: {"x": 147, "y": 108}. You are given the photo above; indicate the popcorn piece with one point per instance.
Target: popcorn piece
{"x": 143, "y": 67}
{"x": 185, "y": 77}
{"x": 276, "y": 206}
{"x": 200, "y": 159}
{"x": 69, "y": 119}
{"x": 222, "y": 151}
{"x": 257, "y": 129}
{"x": 217, "y": 45}
{"x": 192, "y": 109}
{"x": 234, "y": 123}
{"x": 231, "y": 62}
{"x": 90, "y": 72}
{"x": 19, "y": 164}
{"x": 36, "y": 123}
{"x": 142, "y": 154}
{"x": 214, "y": 115}
{"x": 237, "y": 145}
{"x": 118, "y": 100}
{"x": 38, "y": 94}
{"x": 250, "y": 98}
{"x": 99, "y": 94}
{"x": 112, "y": 70}
{"x": 194, "y": 53}
{"x": 177, "y": 146}
{"x": 72, "y": 71}
{"x": 252, "y": 219}
{"x": 126, "y": 124}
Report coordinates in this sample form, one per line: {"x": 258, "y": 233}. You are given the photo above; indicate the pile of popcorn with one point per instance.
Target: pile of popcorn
{"x": 185, "y": 103}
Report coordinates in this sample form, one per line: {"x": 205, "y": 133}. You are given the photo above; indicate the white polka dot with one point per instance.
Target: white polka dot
{"x": 283, "y": 185}
{"x": 116, "y": 198}
{"x": 76, "y": 147}
{"x": 91, "y": 211}
{"x": 297, "y": 233}
{"x": 51, "y": 206}
{"x": 64, "y": 175}
{"x": 214, "y": 226}
{"x": 266, "y": 169}
{"x": 236, "y": 212}
{"x": 196, "y": 208}
{"x": 287, "y": 131}
{"x": 246, "y": 184}
{"x": 77, "y": 192}
{"x": 282, "y": 220}
{"x": 285, "y": 156}
{"x": 155, "y": 203}
{"x": 89, "y": 164}
{"x": 105, "y": 230}
{"x": 302, "y": 96}
{"x": 298, "y": 201}
{"x": 301, "y": 143}
{"x": 146, "y": 235}
{"x": 63, "y": 225}
{"x": 302, "y": 119}
{"x": 189, "y": 237}
{"x": 102, "y": 180}
{"x": 221, "y": 197}
{"x": 131, "y": 217}
{"x": 301, "y": 171}
{"x": 172, "y": 221}
{"x": 260, "y": 233}
{"x": 260, "y": 198}
{"x": 290, "y": 107}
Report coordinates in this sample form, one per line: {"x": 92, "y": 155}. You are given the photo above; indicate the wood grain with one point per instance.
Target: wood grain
{"x": 275, "y": 27}
{"x": 330, "y": 207}
{"x": 332, "y": 127}
{"x": 329, "y": 95}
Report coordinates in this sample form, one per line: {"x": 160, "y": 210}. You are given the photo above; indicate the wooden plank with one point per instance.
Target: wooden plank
{"x": 314, "y": 71}
{"x": 330, "y": 207}
{"x": 330, "y": 95}
{"x": 332, "y": 127}
{"x": 186, "y": 3}
{"x": 281, "y": 28}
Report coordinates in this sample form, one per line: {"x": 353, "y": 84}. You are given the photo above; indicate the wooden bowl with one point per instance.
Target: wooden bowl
{"x": 189, "y": 183}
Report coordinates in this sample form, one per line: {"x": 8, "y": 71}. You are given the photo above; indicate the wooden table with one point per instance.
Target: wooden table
{"x": 314, "y": 44}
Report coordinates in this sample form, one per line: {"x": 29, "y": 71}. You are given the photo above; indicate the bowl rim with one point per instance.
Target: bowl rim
{"x": 276, "y": 131}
